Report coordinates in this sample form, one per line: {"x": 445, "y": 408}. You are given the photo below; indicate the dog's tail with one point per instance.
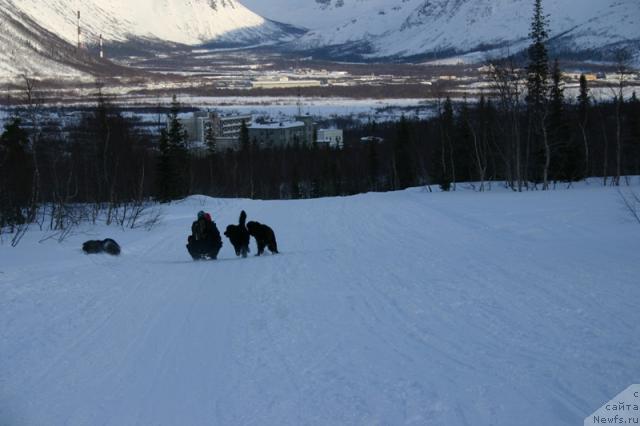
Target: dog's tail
{"x": 243, "y": 218}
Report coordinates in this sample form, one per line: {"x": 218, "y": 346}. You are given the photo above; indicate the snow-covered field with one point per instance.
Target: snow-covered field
{"x": 284, "y": 108}
{"x": 411, "y": 307}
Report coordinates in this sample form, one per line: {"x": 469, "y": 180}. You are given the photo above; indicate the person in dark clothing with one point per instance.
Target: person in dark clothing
{"x": 204, "y": 241}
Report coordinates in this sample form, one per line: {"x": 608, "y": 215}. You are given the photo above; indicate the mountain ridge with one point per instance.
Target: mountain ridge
{"x": 380, "y": 29}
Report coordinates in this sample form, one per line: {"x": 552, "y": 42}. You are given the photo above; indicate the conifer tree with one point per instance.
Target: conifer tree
{"x": 15, "y": 174}
{"x": 584, "y": 102}
{"x": 633, "y": 120}
{"x": 442, "y": 167}
{"x": 537, "y": 90}
{"x": 464, "y": 139}
{"x": 295, "y": 184}
{"x": 402, "y": 155}
{"x": 165, "y": 172}
{"x": 212, "y": 152}
{"x": 173, "y": 164}
{"x": 373, "y": 164}
{"x": 623, "y": 69}
{"x": 244, "y": 137}
{"x": 567, "y": 158}
{"x": 246, "y": 155}
{"x": 210, "y": 138}
{"x": 538, "y": 68}
{"x": 179, "y": 151}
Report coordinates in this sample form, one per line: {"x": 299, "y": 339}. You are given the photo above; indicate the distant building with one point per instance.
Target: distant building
{"x": 330, "y": 137}
{"x": 269, "y": 135}
{"x": 285, "y": 82}
{"x": 226, "y": 128}
{"x": 371, "y": 139}
{"x": 280, "y": 134}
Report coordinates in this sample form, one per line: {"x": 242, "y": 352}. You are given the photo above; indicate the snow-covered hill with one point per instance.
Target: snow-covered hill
{"x": 27, "y": 48}
{"x": 380, "y": 28}
{"x": 39, "y": 37}
{"x": 412, "y": 307}
{"x": 189, "y": 22}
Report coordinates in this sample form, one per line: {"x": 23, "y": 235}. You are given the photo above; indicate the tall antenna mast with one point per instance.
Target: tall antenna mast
{"x": 79, "y": 32}
{"x": 299, "y": 103}
{"x": 101, "y": 48}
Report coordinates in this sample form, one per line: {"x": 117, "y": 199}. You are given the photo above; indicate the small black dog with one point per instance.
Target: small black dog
{"x": 101, "y": 246}
{"x": 239, "y": 236}
{"x": 265, "y": 237}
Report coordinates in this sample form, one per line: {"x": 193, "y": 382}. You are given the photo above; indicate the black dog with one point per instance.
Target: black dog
{"x": 101, "y": 246}
{"x": 239, "y": 236}
{"x": 264, "y": 236}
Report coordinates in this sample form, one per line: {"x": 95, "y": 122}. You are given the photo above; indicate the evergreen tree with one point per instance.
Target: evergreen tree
{"x": 442, "y": 166}
{"x": 374, "y": 165}
{"x": 633, "y": 120}
{"x": 583, "y": 98}
{"x": 464, "y": 142}
{"x": 173, "y": 163}
{"x": 402, "y": 155}
{"x": 295, "y": 184}
{"x": 567, "y": 155}
{"x": 210, "y": 138}
{"x": 485, "y": 115}
{"x": 244, "y": 137}
{"x": 538, "y": 68}
{"x": 212, "y": 152}
{"x": 16, "y": 172}
{"x": 165, "y": 174}
{"x": 246, "y": 154}
{"x": 537, "y": 93}
{"x": 584, "y": 102}
{"x": 179, "y": 152}
{"x": 335, "y": 178}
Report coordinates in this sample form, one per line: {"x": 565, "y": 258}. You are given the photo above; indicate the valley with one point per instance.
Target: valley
{"x": 208, "y": 77}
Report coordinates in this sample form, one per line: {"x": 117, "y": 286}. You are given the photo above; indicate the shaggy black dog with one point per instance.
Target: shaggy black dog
{"x": 101, "y": 246}
{"x": 264, "y": 236}
{"x": 239, "y": 236}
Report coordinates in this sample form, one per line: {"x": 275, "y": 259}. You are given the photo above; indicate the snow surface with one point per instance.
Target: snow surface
{"x": 411, "y": 307}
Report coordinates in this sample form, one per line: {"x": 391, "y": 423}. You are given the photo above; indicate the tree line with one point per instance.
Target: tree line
{"x": 525, "y": 131}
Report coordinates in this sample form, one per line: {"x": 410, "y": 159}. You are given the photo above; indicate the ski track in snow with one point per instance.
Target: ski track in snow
{"x": 400, "y": 308}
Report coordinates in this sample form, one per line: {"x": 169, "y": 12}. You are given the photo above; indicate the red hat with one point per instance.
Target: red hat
{"x": 207, "y": 216}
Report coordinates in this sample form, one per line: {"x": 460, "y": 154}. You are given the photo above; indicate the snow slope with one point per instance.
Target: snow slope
{"x": 39, "y": 37}
{"x": 323, "y": 14}
{"x": 411, "y": 307}
{"x": 188, "y": 22}
{"x": 28, "y": 49}
{"x": 412, "y": 27}
{"x": 25, "y": 48}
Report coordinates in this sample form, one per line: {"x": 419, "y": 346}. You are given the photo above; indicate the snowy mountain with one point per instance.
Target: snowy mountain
{"x": 404, "y": 308}
{"x": 26, "y": 48}
{"x": 402, "y": 28}
{"x": 40, "y": 36}
{"x": 189, "y": 22}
